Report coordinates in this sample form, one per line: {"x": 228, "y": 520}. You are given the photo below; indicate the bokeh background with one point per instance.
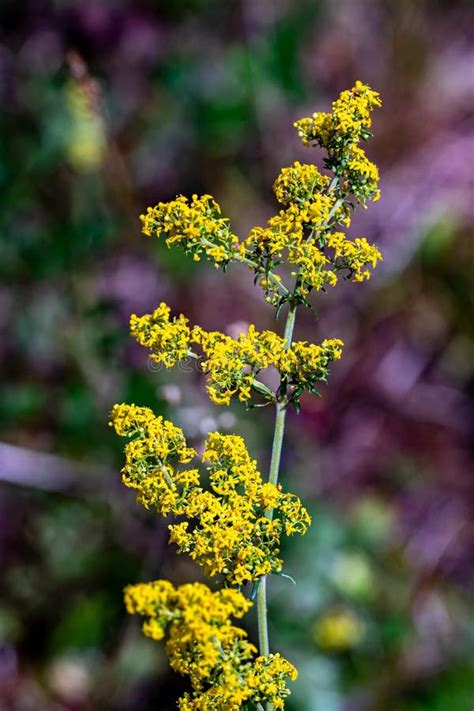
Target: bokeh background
{"x": 107, "y": 107}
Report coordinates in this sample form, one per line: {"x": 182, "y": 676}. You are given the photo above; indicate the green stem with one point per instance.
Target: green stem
{"x": 279, "y": 431}
{"x": 263, "y": 641}
{"x": 167, "y": 477}
{"x": 250, "y": 263}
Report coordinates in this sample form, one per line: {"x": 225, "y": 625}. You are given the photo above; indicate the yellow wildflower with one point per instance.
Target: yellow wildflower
{"x": 204, "y": 645}
{"x": 339, "y": 132}
{"x": 225, "y": 528}
{"x": 169, "y": 340}
{"x": 230, "y": 534}
{"x": 353, "y": 255}
{"x": 298, "y": 183}
{"x": 232, "y": 364}
{"x": 226, "y": 518}
{"x": 350, "y": 117}
{"x": 151, "y": 457}
{"x": 196, "y": 225}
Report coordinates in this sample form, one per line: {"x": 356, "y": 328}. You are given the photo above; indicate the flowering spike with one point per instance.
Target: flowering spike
{"x": 227, "y": 518}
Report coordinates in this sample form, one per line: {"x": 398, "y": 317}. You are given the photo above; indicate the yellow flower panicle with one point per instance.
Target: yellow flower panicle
{"x": 196, "y": 225}
{"x": 269, "y": 677}
{"x": 315, "y": 264}
{"x": 232, "y": 364}
{"x": 225, "y": 529}
{"x": 169, "y": 340}
{"x": 314, "y": 205}
{"x": 230, "y": 535}
{"x": 151, "y": 457}
{"x": 339, "y": 132}
{"x": 204, "y": 645}
{"x": 355, "y": 255}
{"x": 312, "y": 266}
{"x": 349, "y": 120}
{"x": 360, "y": 176}
{"x": 299, "y": 183}
{"x": 290, "y": 226}
{"x": 306, "y": 364}
{"x": 302, "y": 233}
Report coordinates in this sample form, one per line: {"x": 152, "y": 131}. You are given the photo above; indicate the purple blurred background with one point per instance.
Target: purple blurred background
{"x": 110, "y": 107}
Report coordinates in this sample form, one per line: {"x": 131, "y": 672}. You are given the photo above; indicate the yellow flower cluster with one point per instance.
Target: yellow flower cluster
{"x": 354, "y": 255}
{"x": 301, "y": 233}
{"x": 196, "y": 225}
{"x": 233, "y": 363}
{"x": 226, "y": 530}
{"x": 230, "y": 535}
{"x": 269, "y": 676}
{"x": 307, "y": 363}
{"x": 313, "y": 206}
{"x": 361, "y": 175}
{"x": 350, "y": 118}
{"x": 339, "y": 132}
{"x": 203, "y": 644}
{"x": 169, "y": 340}
{"x": 291, "y": 226}
{"x": 316, "y": 268}
{"x": 151, "y": 456}
{"x": 298, "y": 183}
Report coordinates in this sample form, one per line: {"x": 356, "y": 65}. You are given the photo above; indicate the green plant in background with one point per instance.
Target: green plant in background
{"x": 227, "y": 518}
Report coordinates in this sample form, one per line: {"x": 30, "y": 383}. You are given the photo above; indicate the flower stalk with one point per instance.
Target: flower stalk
{"x": 278, "y": 435}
